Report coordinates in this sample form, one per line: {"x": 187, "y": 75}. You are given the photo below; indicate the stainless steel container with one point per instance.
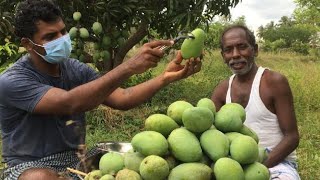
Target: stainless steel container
{"x": 92, "y": 161}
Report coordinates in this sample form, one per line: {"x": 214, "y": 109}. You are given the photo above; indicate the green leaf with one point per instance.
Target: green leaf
{"x": 127, "y": 9}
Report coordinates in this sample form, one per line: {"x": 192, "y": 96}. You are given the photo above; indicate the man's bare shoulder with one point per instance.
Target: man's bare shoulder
{"x": 223, "y": 85}
{"x": 219, "y": 94}
{"x": 273, "y": 77}
{"x": 275, "y": 83}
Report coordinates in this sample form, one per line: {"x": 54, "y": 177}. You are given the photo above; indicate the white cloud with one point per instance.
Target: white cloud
{"x": 259, "y": 12}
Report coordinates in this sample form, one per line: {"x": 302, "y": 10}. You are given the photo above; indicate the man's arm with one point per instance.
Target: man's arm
{"x": 125, "y": 99}
{"x": 284, "y": 109}
{"x": 219, "y": 94}
{"x": 90, "y": 95}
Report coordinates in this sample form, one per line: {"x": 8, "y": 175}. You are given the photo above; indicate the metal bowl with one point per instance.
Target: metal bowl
{"x": 92, "y": 161}
{"x": 120, "y": 147}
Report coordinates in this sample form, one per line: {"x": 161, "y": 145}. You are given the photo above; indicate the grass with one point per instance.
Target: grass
{"x": 106, "y": 124}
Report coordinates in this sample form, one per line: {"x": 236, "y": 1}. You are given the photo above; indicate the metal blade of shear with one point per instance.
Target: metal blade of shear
{"x": 182, "y": 35}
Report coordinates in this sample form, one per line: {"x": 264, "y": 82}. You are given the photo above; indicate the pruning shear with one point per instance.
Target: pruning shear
{"x": 182, "y": 35}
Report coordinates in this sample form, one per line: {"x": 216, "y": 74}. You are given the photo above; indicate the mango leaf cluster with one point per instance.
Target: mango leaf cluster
{"x": 134, "y": 17}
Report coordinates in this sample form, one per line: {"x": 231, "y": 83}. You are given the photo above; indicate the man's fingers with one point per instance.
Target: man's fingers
{"x": 193, "y": 66}
{"x": 154, "y": 52}
{"x": 153, "y": 56}
{"x": 158, "y": 43}
{"x": 178, "y": 58}
{"x": 198, "y": 66}
{"x": 154, "y": 47}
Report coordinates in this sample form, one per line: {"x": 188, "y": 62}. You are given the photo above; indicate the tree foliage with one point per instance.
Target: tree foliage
{"x": 286, "y": 34}
{"x": 216, "y": 28}
{"x": 299, "y": 33}
{"x": 6, "y": 14}
{"x": 307, "y": 12}
{"x": 130, "y": 20}
{"x": 8, "y": 52}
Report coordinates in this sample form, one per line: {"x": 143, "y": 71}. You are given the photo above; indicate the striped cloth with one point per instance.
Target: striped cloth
{"x": 285, "y": 170}
{"x": 57, "y": 162}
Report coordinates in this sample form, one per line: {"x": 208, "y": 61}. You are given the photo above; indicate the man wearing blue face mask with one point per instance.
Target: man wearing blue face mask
{"x": 56, "y": 50}
{"x": 45, "y": 89}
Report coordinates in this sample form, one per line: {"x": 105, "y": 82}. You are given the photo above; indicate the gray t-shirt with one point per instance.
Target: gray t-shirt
{"x": 27, "y": 136}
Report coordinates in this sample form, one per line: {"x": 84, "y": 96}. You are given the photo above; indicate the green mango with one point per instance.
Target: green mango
{"x": 197, "y": 119}
{"x": 160, "y": 123}
{"x": 256, "y": 171}
{"x": 154, "y": 168}
{"x": 191, "y": 171}
{"x": 227, "y": 168}
{"x": 84, "y": 33}
{"x": 245, "y": 130}
{"x": 94, "y": 174}
{"x": 150, "y": 143}
{"x": 106, "y": 41}
{"x": 176, "y": 109}
{"x": 126, "y": 174}
{"x": 215, "y": 144}
{"x": 244, "y": 149}
{"x": 184, "y": 145}
{"x": 207, "y": 103}
{"x": 76, "y": 16}
{"x": 132, "y": 160}
{"x": 73, "y": 32}
{"x": 111, "y": 163}
{"x": 192, "y": 47}
{"x": 97, "y": 28}
{"x": 229, "y": 118}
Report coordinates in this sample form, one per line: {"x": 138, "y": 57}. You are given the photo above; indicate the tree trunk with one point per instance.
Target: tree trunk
{"x": 142, "y": 31}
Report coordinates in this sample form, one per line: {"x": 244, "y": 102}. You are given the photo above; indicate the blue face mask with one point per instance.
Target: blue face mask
{"x": 57, "y": 50}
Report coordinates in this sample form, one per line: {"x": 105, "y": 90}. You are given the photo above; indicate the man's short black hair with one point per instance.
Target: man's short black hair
{"x": 29, "y": 12}
{"x": 250, "y": 36}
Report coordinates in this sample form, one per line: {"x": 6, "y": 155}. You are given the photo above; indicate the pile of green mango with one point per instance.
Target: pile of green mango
{"x": 191, "y": 142}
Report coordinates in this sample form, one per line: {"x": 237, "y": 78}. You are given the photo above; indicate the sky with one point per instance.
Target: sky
{"x": 258, "y": 12}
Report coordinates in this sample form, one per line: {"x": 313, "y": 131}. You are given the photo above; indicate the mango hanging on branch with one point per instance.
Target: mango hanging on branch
{"x": 76, "y": 16}
{"x": 192, "y": 47}
{"x": 73, "y": 32}
{"x": 97, "y": 28}
{"x": 84, "y": 33}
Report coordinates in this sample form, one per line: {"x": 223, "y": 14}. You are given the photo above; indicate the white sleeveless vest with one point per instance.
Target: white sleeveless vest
{"x": 259, "y": 118}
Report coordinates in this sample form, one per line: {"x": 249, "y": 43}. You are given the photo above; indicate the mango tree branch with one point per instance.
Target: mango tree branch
{"x": 142, "y": 31}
